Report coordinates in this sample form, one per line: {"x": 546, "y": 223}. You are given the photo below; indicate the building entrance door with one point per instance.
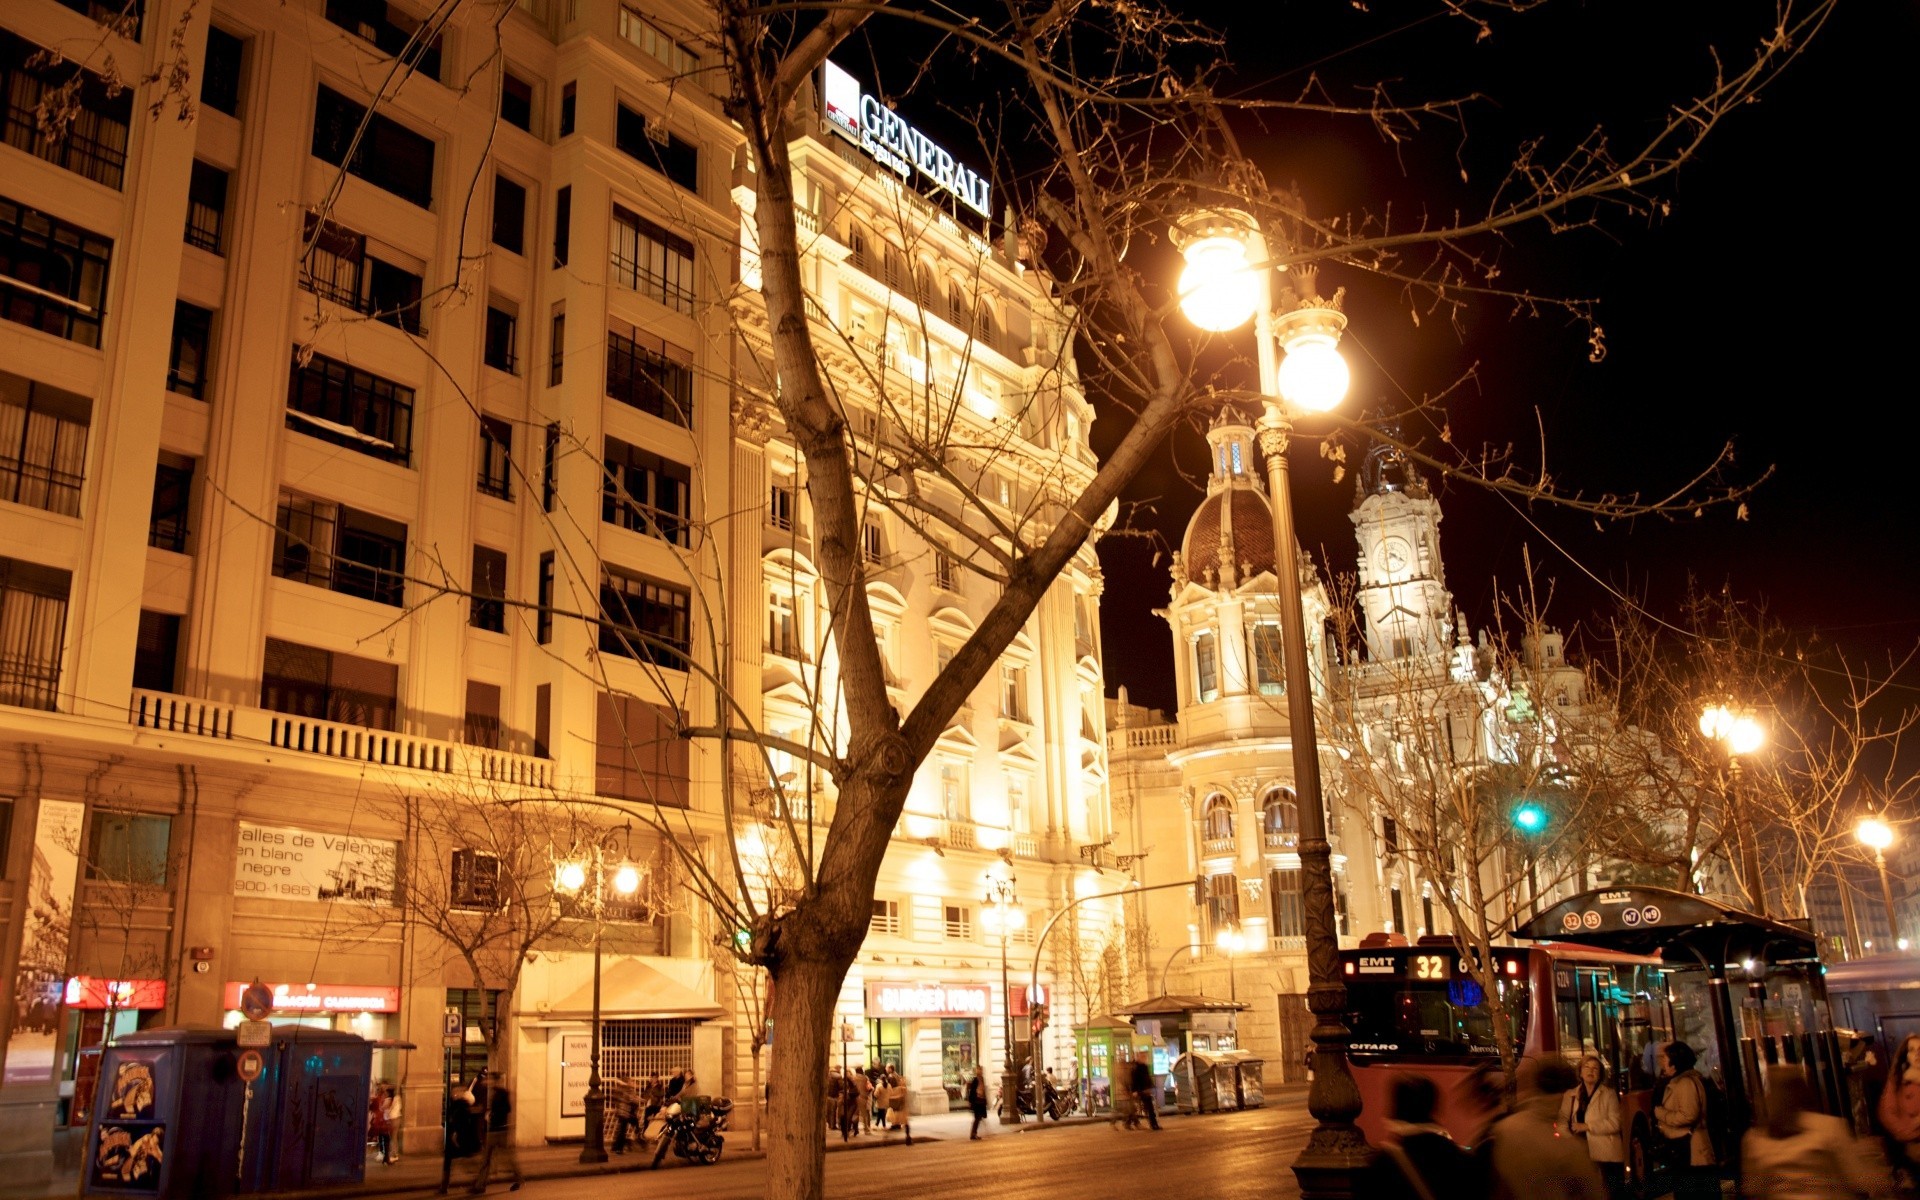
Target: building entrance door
{"x": 959, "y": 1051}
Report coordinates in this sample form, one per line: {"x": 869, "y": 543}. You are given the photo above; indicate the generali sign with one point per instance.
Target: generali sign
{"x": 896, "y": 145}
{"x": 929, "y": 1000}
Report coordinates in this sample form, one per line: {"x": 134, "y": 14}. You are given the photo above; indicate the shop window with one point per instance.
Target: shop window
{"x": 156, "y": 652}
{"x": 220, "y": 74}
{"x": 169, "y": 522}
{"x": 53, "y": 276}
{"x": 886, "y": 918}
{"x": 509, "y": 215}
{"x": 389, "y": 155}
{"x": 649, "y": 260}
{"x": 644, "y": 139}
{"x": 187, "y": 360}
{"x": 391, "y": 30}
{"x": 43, "y": 445}
{"x": 644, "y": 619}
{"x": 650, "y": 374}
{"x": 640, "y": 755}
{"x": 304, "y": 681}
{"x": 483, "y": 714}
{"x": 959, "y": 923}
{"x": 496, "y": 458}
{"x": 1289, "y": 913}
{"x": 342, "y": 549}
{"x": 33, "y": 623}
{"x": 126, "y": 848}
{"x": 516, "y": 101}
{"x": 645, "y": 493}
{"x": 92, "y": 142}
{"x": 339, "y": 403}
{"x": 487, "y": 608}
{"x": 886, "y": 1042}
{"x": 206, "y": 207}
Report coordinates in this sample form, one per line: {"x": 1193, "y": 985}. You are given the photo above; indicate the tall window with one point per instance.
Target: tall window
{"x": 783, "y": 630}
{"x": 43, "y": 445}
{"x": 639, "y": 754}
{"x": 33, "y": 622}
{"x": 187, "y": 360}
{"x": 170, "y": 519}
{"x": 53, "y": 276}
{"x": 341, "y": 549}
{"x": 562, "y": 216}
{"x": 1398, "y": 905}
{"x": 644, "y": 492}
{"x": 516, "y": 101}
{"x": 1217, "y": 818}
{"x": 959, "y": 923}
{"x": 220, "y": 75}
{"x": 342, "y": 268}
{"x": 309, "y": 682}
{"x": 886, "y": 917}
{"x": 651, "y": 261}
{"x": 780, "y": 504}
{"x": 653, "y": 376}
{"x": 1017, "y": 810}
{"x": 1289, "y": 914}
{"x": 156, "y": 651}
{"x": 206, "y": 207}
{"x": 1269, "y": 667}
{"x": 646, "y": 140}
{"x": 91, "y": 130}
{"x": 483, "y": 714}
{"x": 945, "y": 577}
{"x": 550, "y": 467}
{"x": 499, "y": 349}
{"x": 872, "y": 545}
{"x": 388, "y": 155}
{"x": 509, "y": 214}
{"x": 956, "y": 804}
{"x": 1223, "y": 902}
{"x": 1206, "y": 667}
{"x": 1280, "y": 819}
{"x": 543, "y": 615}
{"x": 645, "y": 619}
{"x": 128, "y": 848}
{"x": 342, "y": 404}
{"x": 1013, "y": 693}
{"x": 488, "y": 609}
{"x": 568, "y": 107}
{"x": 496, "y": 458}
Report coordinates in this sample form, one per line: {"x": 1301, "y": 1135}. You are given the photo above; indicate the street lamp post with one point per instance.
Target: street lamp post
{"x": 570, "y": 878}
{"x": 1738, "y": 734}
{"x": 1878, "y": 835}
{"x": 1225, "y": 282}
{"x": 1233, "y": 941}
{"x": 1001, "y": 910}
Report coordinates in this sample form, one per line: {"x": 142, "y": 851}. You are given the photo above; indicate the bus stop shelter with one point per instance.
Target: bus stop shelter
{"x": 1733, "y": 949}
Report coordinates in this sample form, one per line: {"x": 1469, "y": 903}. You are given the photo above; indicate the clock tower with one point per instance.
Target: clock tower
{"x": 1402, "y": 585}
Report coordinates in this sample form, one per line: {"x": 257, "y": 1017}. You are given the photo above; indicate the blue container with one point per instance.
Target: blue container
{"x": 167, "y": 1116}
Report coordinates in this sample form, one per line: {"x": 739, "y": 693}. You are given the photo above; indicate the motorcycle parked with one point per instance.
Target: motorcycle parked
{"x": 695, "y": 1134}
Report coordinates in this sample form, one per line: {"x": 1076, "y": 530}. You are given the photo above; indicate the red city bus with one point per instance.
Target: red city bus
{"x": 1416, "y": 1010}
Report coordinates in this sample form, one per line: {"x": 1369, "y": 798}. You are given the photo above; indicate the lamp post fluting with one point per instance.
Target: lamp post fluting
{"x": 1227, "y": 281}
{"x": 1002, "y": 910}
{"x": 570, "y": 878}
{"x": 1878, "y": 835}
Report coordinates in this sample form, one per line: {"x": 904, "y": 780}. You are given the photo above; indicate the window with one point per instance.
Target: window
{"x": 33, "y": 622}
{"x": 783, "y": 630}
{"x": 389, "y": 155}
{"x": 123, "y": 848}
{"x": 390, "y": 30}
{"x": 944, "y": 575}
{"x": 644, "y": 492}
{"x": 1223, "y": 902}
{"x": 187, "y": 360}
{"x": 676, "y": 58}
{"x": 1013, "y": 693}
{"x": 640, "y": 753}
{"x": 1269, "y": 667}
{"x": 644, "y": 619}
{"x": 886, "y": 917}
{"x": 557, "y": 346}
{"x": 338, "y": 403}
{"x": 645, "y": 139}
{"x": 959, "y": 923}
{"x": 956, "y": 803}
{"x": 393, "y": 296}
{"x": 1426, "y": 912}
{"x": 156, "y": 652}
{"x": 473, "y": 879}
{"x": 53, "y": 276}
{"x": 1399, "y": 907}
{"x": 43, "y": 445}
{"x": 499, "y": 348}
{"x": 543, "y": 615}
{"x": 1288, "y": 911}
{"x": 1217, "y": 819}
{"x": 170, "y": 519}
{"x": 543, "y": 720}
{"x": 220, "y": 75}
{"x": 516, "y": 101}
{"x": 1017, "y": 810}
{"x": 206, "y": 206}
{"x": 562, "y": 224}
{"x": 339, "y": 267}
{"x": 304, "y": 681}
{"x": 483, "y": 714}
{"x": 1083, "y": 623}
{"x": 567, "y": 106}
{"x": 487, "y": 610}
{"x": 1280, "y": 820}
{"x": 655, "y": 377}
{"x": 91, "y": 140}
{"x": 342, "y": 549}
{"x": 550, "y": 467}
{"x": 1206, "y": 667}
{"x": 1390, "y": 836}
{"x": 496, "y": 458}
{"x": 509, "y": 215}
{"x": 651, "y": 261}
{"x": 780, "y": 504}
{"x": 872, "y": 549}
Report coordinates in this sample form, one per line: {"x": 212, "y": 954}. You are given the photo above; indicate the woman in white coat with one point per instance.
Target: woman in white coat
{"x": 1591, "y": 1112}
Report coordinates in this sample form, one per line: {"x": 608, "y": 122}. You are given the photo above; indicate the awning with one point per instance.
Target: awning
{"x": 1109, "y": 1022}
{"x": 1684, "y": 930}
{"x": 630, "y": 989}
{"x": 1165, "y": 1006}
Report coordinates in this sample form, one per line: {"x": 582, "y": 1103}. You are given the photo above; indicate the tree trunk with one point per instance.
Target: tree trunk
{"x": 805, "y": 990}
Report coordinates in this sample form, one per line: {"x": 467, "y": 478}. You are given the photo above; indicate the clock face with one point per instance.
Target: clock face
{"x": 1394, "y": 555}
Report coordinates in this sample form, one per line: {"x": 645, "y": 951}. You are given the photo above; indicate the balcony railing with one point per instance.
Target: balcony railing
{"x": 168, "y": 713}
{"x": 1281, "y": 840}
{"x": 1026, "y": 845}
{"x": 1144, "y": 738}
{"x": 1213, "y": 846}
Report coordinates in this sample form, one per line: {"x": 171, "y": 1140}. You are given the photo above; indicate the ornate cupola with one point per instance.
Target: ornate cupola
{"x": 1230, "y": 536}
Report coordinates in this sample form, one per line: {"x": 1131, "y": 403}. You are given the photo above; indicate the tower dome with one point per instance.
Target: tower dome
{"x": 1230, "y": 536}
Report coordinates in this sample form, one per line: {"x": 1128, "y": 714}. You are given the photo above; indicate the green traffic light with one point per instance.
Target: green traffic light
{"x": 1530, "y": 818}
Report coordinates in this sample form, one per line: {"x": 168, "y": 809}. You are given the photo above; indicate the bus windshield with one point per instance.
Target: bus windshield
{"x": 1440, "y": 1017}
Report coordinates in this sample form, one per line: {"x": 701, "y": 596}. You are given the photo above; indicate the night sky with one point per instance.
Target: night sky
{"x": 1770, "y": 306}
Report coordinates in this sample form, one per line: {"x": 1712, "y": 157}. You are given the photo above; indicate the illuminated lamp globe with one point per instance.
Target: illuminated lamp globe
{"x": 1016, "y": 916}
{"x": 572, "y": 876}
{"x": 626, "y": 880}
{"x": 1313, "y": 376}
{"x": 1218, "y": 291}
{"x": 1874, "y": 833}
{"x": 1745, "y": 735}
{"x": 1715, "y": 721}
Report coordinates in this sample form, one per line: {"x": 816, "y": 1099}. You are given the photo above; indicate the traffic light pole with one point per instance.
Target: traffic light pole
{"x": 1033, "y": 980}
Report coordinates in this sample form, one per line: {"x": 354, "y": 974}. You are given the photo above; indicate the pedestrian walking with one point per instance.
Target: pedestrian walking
{"x": 1419, "y": 1161}
{"x": 1140, "y": 1086}
{"x": 378, "y": 1131}
{"x": 1528, "y": 1160}
{"x": 500, "y": 1148}
{"x": 848, "y": 1113}
{"x": 897, "y": 1115}
{"x": 1899, "y": 1107}
{"x": 863, "y": 1097}
{"x": 1686, "y": 1140}
{"x": 977, "y": 1099}
{"x": 1590, "y": 1113}
{"x": 1801, "y": 1153}
{"x": 624, "y": 1103}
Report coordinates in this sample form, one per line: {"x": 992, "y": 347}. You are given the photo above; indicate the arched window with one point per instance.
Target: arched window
{"x": 1218, "y": 817}
{"x": 1280, "y": 819}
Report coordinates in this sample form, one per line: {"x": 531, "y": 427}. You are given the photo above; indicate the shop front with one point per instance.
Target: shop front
{"x": 369, "y": 1010}
{"x": 98, "y": 1011}
{"x": 928, "y": 1031}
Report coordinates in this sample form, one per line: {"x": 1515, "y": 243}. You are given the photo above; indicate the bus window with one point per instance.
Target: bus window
{"x": 1567, "y": 1011}
{"x": 1644, "y": 1022}
{"x": 1441, "y": 1017}
{"x": 1600, "y": 1015}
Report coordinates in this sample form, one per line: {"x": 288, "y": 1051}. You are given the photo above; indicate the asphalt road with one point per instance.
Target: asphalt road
{"x": 1229, "y": 1156}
